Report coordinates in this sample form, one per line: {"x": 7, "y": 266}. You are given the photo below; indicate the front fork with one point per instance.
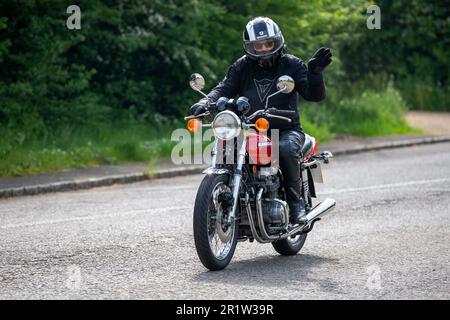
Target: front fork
{"x": 237, "y": 177}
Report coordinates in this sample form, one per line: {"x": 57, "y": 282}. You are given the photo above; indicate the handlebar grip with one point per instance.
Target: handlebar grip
{"x": 280, "y": 112}
{"x": 279, "y": 117}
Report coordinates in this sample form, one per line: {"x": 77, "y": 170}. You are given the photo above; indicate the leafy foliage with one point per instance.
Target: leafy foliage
{"x": 129, "y": 63}
{"x": 412, "y": 47}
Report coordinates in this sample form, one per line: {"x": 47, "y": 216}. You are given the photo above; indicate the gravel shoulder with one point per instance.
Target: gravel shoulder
{"x": 437, "y": 123}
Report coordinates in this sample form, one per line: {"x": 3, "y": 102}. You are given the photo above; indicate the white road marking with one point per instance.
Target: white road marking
{"x": 131, "y": 189}
{"x": 385, "y": 186}
{"x": 94, "y": 217}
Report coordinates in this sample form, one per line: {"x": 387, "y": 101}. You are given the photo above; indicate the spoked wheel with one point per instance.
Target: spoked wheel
{"x": 215, "y": 239}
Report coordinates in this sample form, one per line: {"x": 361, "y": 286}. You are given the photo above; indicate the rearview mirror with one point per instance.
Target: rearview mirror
{"x": 285, "y": 84}
{"x": 197, "y": 82}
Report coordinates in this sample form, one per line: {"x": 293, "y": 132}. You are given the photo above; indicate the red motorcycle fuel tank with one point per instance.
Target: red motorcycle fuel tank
{"x": 259, "y": 148}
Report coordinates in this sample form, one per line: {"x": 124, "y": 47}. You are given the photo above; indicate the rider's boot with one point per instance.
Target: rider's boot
{"x": 297, "y": 206}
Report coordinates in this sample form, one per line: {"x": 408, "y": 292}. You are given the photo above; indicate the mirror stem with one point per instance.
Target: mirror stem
{"x": 267, "y": 100}
{"x": 202, "y": 93}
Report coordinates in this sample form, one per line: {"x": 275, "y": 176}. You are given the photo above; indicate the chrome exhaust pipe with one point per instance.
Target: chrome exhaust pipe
{"x": 324, "y": 207}
{"x": 251, "y": 221}
{"x": 263, "y": 237}
{"x": 316, "y": 213}
{"x": 321, "y": 209}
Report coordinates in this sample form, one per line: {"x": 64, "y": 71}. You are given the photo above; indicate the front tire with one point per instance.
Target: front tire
{"x": 215, "y": 242}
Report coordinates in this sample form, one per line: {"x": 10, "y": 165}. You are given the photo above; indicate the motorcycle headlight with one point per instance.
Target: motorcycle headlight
{"x": 226, "y": 125}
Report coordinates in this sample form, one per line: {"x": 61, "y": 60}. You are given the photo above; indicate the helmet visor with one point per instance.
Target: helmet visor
{"x": 263, "y": 48}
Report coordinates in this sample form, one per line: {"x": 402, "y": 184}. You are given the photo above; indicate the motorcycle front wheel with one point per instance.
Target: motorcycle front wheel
{"x": 215, "y": 240}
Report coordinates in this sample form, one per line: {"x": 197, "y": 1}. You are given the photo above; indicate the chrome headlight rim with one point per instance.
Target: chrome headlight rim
{"x": 236, "y": 125}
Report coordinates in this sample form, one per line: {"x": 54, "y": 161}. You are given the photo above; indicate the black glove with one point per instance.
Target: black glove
{"x": 320, "y": 60}
{"x": 199, "y": 107}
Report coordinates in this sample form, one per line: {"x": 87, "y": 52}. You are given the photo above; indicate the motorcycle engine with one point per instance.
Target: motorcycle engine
{"x": 273, "y": 210}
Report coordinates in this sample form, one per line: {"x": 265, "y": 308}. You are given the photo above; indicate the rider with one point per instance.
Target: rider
{"x": 254, "y": 76}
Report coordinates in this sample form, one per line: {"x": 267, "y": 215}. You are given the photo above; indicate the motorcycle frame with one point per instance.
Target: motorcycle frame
{"x": 236, "y": 175}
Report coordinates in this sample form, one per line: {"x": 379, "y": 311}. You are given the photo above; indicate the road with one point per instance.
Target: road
{"x": 388, "y": 238}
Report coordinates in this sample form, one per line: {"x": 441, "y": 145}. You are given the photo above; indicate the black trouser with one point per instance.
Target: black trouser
{"x": 291, "y": 143}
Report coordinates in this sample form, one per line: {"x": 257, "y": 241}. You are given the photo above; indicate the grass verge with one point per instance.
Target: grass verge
{"x": 370, "y": 114}
{"x": 70, "y": 148}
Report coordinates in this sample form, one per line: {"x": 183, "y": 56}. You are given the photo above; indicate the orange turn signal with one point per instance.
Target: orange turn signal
{"x": 262, "y": 124}
{"x": 194, "y": 125}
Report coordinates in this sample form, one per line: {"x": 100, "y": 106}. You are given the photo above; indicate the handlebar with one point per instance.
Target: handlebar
{"x": 279, "y": 117}
{"x": 274, "y": 113}
{"x": 280, "y": 112}
{"x": 197, "y": 116}
{"x": 270, "y": 113}
{"x": 207, "y": 113}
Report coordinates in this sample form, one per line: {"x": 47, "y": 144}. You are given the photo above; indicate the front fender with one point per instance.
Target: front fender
{"x": 216, "y": 171}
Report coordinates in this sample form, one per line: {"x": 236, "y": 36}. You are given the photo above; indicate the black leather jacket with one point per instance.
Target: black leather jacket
{"x": 246, "y": 78}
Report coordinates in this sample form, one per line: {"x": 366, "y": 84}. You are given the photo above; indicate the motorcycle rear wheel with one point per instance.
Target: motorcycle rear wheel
{"x": 215, "y": 242}
{"x": 292, "y": 245}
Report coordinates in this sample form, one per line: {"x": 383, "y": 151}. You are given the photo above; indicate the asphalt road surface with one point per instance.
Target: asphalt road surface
{"x": 388, "y": 238}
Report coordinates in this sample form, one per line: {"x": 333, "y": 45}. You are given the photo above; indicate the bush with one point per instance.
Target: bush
{"x": 320, "y": 131}
{"x": 424, "y": 96}
{"x": 411, "y": 47}
{"x": 71, "y": 98}
{"x": 371, "y": 113}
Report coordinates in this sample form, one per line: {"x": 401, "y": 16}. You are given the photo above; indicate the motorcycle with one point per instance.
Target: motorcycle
{"x": 245, "y": 199}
